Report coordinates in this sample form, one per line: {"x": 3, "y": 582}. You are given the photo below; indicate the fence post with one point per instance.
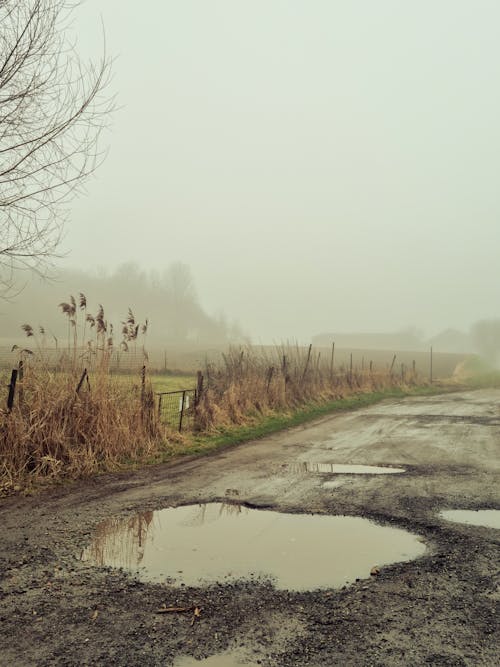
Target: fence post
{"x": 270, "y": 373}
{"x": 12, "y": 389}
{"x": 84, "y": 375}
{"x": 20, "y": 377}
{"x": 182, "y": 410}
{"x": 199, "y": 388}
{"x": 307, "y": 362}
{"x": 143, "y": 385}
{"x": 284, "y": 371}
{"x": 392, "y": 365}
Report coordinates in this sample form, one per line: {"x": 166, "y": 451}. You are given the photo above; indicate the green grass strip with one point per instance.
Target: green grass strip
{"x": 267, "y": 425}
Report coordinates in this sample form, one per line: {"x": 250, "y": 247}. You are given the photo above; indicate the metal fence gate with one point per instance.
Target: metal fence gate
{"x": 176, "y": 408}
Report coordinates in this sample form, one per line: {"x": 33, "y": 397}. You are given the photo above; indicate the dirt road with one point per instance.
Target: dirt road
{"x": 440, "y": 609}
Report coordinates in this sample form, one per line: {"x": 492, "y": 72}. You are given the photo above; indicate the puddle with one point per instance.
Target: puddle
{"x": 487, "y": 518}
{"x": 341, "y": 469}
{"x": 199, "y": 544}
{"x": 334, "y": 484}
{"x": 221, "y": 660}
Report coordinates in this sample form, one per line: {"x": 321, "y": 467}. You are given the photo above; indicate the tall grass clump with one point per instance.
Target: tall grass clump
{"x": 71, "y": 416}
{"x": 248, "y": 383}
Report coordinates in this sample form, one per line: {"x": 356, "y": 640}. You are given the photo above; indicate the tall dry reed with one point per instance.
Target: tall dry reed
{"x": 70, "y": 416}
{"x": 250, "y": 382}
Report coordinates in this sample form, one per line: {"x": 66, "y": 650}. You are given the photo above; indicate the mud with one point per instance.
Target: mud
{"x": 440, "y": 609}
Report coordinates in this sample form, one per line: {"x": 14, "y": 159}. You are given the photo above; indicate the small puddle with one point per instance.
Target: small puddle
{"x": 334, "y": 484}
{"x": 486, "y": 518}
{"x": 341, "y": 469}
{"x": 199, "y": 544}
{"x": 221, "y": 660}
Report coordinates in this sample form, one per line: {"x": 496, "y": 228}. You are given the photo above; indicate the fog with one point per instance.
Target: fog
{"x": 320, "y": 166}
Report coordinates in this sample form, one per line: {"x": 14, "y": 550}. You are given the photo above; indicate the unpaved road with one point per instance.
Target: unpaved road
{"x": 441, "y": 609}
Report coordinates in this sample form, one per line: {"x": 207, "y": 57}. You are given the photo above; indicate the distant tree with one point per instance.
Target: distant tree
{"x": 52, "y": 112}
{"x": 486, "y": 337}
{"x": 178, "y": 281}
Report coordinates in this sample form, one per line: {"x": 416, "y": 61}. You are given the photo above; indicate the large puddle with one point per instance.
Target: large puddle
{"x": 199, "y": 544}
{"x": 341, "y": 469}
{"x": 487, "y": 518}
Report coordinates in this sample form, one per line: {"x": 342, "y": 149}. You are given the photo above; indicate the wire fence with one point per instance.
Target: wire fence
{"x": 177, "y": 408}
{"x": 117, "y": 361}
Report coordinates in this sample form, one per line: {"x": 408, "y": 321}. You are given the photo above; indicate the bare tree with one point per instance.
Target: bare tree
{"x": 52, "y": 112}
{"x": 179, "y": 283}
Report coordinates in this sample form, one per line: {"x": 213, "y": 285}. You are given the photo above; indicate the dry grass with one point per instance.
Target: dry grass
{"x": 249, "y": 383}
{"x": 67, "y": 423}
{"x": 55, "y": 432}
{"x": 73, "y": 418}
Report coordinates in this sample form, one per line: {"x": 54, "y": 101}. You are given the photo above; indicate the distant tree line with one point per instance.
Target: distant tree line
{"x": 167, "y": 298}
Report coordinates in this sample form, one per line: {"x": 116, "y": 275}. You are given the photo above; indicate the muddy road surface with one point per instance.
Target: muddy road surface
{"x": 434, "y": 601}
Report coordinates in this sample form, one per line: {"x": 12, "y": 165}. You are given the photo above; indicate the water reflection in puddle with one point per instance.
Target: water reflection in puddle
{"x": 199, "y": 544}
{"x": 221, "y": 660}
{"x": 339, "y": 468}
{"x": 487, "y": 518}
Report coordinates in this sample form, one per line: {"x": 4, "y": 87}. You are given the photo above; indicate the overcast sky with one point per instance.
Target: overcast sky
{"x": 322, "y": 165}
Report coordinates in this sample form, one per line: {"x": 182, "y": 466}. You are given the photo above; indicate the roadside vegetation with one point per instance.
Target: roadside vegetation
{"x": 476, "y": 372}
{"x": 73, "y": 415}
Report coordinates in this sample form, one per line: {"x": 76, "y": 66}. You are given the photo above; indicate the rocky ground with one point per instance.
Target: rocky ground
{"x": 441, "y": 609}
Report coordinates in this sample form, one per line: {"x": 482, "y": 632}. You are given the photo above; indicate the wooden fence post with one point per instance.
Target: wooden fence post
{"x": 307, "y": 362}
{"x": 270, "y": 373}
{"x": 84, "y": 375}
{"x": 392, "y": 365}
{"x": 12, "y": 389}
{"x": 143, "y": 386}
{"x": 20, "y": 376}
{"x": 199, "y": 387}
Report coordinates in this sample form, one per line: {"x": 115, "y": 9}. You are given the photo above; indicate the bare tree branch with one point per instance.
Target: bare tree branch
{"x": 53, "y": 109}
